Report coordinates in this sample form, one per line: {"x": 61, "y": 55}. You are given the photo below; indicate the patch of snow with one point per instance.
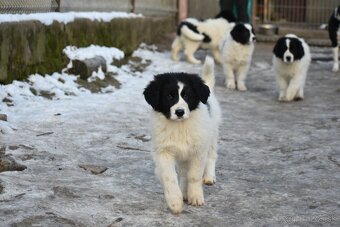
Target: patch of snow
{"x": 108, "y": 53}
{"x": 67, "y": 17}
{"x": 96, "y": 75}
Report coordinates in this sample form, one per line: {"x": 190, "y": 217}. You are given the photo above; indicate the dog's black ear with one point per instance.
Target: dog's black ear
{"x": 201, "y": 90}
{"x": 152, "y": 93}
{"x": 280, "y": 48}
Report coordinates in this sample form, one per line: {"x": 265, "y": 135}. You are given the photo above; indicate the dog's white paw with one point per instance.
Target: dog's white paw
{"x": 289, "y": 97}
{"x": 209, "y": 180}
{"x": 231, "y": 85}
{"x": 196, "y": 199}
{"x": 335, "y": 68}
{"x": 241, "y": 87}
{"x": 175, "y": 205}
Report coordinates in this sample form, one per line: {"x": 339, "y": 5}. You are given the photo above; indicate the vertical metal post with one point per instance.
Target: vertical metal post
{"x": 253, "y": 13}
{"x": 58, "y": 7}
{"x": 133, "y": 5}
{"x": 182, "y": 9}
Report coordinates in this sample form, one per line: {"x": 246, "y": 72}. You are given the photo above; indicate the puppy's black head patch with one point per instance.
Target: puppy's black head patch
{"x": 289, "y": 46}
{"x": 243, "y": 33}
{"x": 164, "y": 91}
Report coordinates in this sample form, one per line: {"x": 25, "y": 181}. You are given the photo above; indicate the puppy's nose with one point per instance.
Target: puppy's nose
{"x": 254, "y": 38}
{"x": 288, "y": 58}
{"x": 179, "y": 112}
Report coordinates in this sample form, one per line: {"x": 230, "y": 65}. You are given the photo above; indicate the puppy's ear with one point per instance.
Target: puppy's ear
{"x": 201, "y": 90}
{"x": 279, "y": 48}
{"x": 152, "y": 93}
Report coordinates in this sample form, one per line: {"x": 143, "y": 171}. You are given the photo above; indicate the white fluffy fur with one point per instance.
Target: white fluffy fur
{"x": 190, "y": 144}
{"x": 236, "y": 59}
{"x": 191, "y": 41}
{"x": 291, "y": 77}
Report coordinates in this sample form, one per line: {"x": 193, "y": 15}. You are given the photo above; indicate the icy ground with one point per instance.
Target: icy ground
{"x": 278, "y": 163}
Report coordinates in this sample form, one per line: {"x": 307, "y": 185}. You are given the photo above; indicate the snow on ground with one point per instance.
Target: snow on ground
{"x": 67, "y": 17}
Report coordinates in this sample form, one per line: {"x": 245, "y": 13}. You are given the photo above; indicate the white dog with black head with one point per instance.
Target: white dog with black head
{"x": 237, "y": 49}
{"x": 333, "y": 32}
{"x": 186, "y": 116}
{"x": 291, "y": 61}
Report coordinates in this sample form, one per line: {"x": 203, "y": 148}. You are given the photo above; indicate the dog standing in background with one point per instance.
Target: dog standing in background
{"x": 291, "y": 61}
{"x": 193, "y": 34}
{"x": 333, "y": 32}
{"x": 237, "y": 49}
{"x": 186, "y": 118}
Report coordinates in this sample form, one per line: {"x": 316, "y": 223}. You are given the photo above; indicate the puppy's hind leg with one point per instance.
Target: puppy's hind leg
{"x": 241, "y": 75}
{"x": 229, "y": 76}
{"x": 335, "y": 59}
{"x": 217, "y": 55}
{"x": 209, "y": 177}
{"x": 175, "y": 48}
{"x": 190, "y": 49}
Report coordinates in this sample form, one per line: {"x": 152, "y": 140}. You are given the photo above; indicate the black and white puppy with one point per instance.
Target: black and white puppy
{"x": 291, "y": 61}
{"x": 193, "y": 34}
{"x": 237, "y": 49}
{"x": 186, "y": 116}
{"x": 333, "y": 32}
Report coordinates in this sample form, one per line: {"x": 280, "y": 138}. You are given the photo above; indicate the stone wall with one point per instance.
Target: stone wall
{"x": 31, "y": 47}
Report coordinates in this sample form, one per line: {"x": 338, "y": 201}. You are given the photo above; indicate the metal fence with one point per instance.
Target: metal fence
{"x": 29, "y": 6}
{"x": 147, "y": 7}
{"x": 306, "y": 14}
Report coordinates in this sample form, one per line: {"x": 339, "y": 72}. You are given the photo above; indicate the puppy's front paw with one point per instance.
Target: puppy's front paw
{"x": 335, "y": 68}
{"x": 175, "y": 205}
{"x": 241, "y": 87}
{"x": 231, "y": 85}
{"x": 209, "y": 180}
{"x": 196, "y": 199}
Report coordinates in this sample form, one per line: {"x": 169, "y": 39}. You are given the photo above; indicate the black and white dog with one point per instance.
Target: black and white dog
{"x": 193, "y": 34}
{"x": 333, "y": 32}
{"x": 237, "y": 49}
{"x": 186, "y": 117}
{"x": 291, "y": 61}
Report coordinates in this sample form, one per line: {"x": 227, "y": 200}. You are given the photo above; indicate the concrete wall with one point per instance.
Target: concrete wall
{"x": 91, "y": 5}
{"x": 31, "y": 47}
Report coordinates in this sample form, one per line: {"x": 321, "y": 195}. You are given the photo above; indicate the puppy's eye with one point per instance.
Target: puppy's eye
{"x": 185, "y": 95}
{"x": 170, "y": 96}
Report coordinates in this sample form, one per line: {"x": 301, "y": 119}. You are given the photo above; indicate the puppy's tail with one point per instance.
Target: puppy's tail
{"x": 208, "y": 73}
{"x": 185, "y": 30}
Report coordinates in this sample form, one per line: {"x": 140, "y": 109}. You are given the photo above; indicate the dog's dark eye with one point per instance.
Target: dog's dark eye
{"x": 185, "y": 95}
{"x": 170, "y": 96}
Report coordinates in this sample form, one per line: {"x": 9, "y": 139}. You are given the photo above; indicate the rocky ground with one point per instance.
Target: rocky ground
{"x": 89, "y": 164}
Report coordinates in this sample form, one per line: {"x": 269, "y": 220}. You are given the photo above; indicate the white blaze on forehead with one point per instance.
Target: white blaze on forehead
{"x": 288, "y": 43}
{"x": 288, "y": 53}
{"x": 248, "y": 26}
{"x": 181, "y": 104}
